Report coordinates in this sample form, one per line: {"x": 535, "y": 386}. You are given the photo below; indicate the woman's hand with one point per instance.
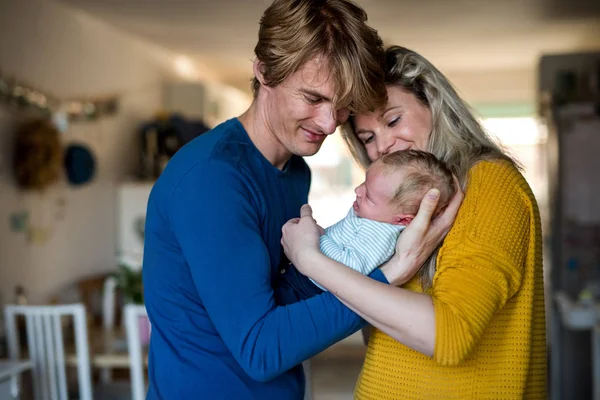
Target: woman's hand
{"x": 418, "y": 241}
{"x": 300, "y": 239}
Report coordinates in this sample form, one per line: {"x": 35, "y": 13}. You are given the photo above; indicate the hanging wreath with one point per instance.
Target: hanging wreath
{"x": 38, "y": 157}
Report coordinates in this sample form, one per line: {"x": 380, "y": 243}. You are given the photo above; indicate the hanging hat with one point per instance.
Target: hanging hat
{"x": 37, "y": 155}
{"x": 80, "y": 164}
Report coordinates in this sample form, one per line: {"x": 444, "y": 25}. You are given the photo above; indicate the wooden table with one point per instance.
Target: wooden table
{"x": 9, "y": 373}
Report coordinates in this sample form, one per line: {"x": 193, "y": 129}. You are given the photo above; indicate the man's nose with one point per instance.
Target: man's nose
{"x": 327, "y": 120}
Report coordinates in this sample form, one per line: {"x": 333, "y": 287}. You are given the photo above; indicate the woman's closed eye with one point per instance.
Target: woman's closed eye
{"x": 366, "y": 139}
{"x": 393, "y": 122}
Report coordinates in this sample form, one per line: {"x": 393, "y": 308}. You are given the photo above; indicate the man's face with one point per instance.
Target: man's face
{"x": 299, "y": 111}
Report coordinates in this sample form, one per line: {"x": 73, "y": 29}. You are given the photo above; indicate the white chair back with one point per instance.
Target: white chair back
{"x": 46, "y": 349}
{"x": 108, "y": 303}
{"x": 108, "y": 319}
{"x": 133, "y": 312}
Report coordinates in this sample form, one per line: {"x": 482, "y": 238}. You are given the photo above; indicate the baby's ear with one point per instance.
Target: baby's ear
{"x": 403, "y": 219}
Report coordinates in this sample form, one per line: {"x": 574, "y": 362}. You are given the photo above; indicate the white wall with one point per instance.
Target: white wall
{"x": 70, "y": 54}
{"x": 496, "y": 86}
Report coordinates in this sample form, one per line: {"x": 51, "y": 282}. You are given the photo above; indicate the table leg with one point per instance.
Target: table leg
{"x": 308, "y": 395}
{"x": 596, "y": 361}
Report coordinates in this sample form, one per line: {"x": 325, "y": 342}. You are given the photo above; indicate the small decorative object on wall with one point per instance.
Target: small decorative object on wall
{"x": 80, "y": 164}
{"x": 37, "y": 159}
{"x": 89, "y": 110}
{"x": 19, "y": 221}
{"x": 37, "y": 215}
{"x": 61, "y": 205}
{"x": 39, "y": 235}
{"x": 21, "y": 95}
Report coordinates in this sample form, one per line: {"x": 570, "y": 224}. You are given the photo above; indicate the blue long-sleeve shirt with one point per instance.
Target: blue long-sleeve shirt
{"x": 212, "y": 254}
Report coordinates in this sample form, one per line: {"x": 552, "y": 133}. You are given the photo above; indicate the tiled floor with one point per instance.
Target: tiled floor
{"x": 334, "y": 372}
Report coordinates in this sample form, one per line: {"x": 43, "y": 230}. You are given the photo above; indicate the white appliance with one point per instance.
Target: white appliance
{"x": 132, "y": 200}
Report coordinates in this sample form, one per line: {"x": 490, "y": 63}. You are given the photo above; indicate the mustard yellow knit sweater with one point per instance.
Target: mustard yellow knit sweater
{"x": 488, "y": 296}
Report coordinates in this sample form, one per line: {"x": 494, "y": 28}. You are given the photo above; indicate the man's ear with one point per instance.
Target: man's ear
{"x": 257, "y": 68}
{"x": 403, "y": 219}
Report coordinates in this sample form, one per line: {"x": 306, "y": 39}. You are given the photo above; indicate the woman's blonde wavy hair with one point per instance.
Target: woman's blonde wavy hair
{"x": 456, "y": 137}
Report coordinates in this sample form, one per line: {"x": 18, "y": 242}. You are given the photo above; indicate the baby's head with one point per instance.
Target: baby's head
{"x": 396, "y": 183}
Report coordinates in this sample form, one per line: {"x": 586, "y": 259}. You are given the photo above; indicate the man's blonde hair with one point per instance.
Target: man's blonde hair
{"x": 292, "y": 32}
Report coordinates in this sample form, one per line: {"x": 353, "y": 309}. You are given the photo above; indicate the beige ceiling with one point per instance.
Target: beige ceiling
{"x": 464, "y": 38}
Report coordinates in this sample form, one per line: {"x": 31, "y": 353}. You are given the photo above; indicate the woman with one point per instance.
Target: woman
{"x": 471, "y": 324}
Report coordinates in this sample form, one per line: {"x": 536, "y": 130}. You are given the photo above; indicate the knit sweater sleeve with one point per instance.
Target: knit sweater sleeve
{"x": 480, "y": 265}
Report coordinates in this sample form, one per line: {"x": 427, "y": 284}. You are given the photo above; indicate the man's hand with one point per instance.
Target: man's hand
{"x": 300, "y": 239}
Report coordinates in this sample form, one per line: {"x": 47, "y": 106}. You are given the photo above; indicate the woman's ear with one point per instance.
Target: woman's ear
{"x": 257, "y": 67}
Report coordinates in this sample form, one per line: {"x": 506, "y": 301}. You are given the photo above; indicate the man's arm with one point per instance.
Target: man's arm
{"x": 217, "y": 225}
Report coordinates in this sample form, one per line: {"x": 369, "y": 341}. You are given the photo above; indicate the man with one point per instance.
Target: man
{"x": 213, "y": 227}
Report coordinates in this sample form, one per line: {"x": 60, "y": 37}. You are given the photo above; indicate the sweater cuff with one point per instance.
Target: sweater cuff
{"x": 378, "y": 276}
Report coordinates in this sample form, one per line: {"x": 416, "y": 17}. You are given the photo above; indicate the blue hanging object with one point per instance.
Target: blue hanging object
{"x": 80, "y": 164}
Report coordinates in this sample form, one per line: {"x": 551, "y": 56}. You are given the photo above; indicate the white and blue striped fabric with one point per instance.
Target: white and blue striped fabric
{"x": 359, "y": 243}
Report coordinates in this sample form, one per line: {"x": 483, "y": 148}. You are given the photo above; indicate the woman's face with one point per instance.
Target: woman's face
{"x": 404, "y": 123}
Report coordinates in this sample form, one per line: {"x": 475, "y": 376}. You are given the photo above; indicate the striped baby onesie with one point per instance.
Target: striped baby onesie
{"x": 359, "y": 243}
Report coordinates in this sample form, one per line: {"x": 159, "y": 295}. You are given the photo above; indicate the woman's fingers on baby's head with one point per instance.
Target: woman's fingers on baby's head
{"x": 457, "y": 183}
{"x": 427, "y": 208}
{"x": 433, "y": 195}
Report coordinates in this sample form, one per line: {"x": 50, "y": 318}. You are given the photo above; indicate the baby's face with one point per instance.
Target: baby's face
{"x": 374, "y": 195}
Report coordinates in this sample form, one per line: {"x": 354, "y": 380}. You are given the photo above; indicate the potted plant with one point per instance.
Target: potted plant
{"x": 129, "y": 282}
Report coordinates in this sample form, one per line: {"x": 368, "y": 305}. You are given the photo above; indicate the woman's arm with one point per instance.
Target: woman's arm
{"x": 481, "y": 269}
{"x": 404, "y": 315}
